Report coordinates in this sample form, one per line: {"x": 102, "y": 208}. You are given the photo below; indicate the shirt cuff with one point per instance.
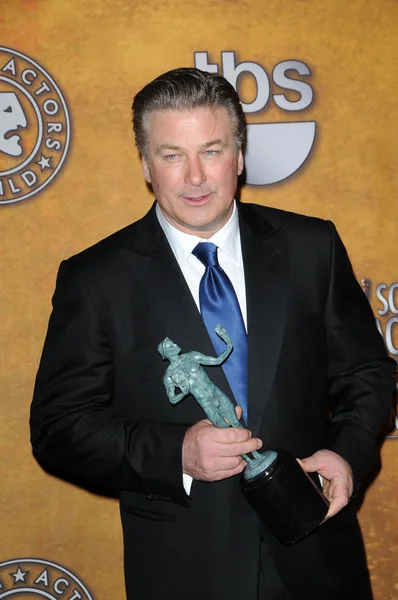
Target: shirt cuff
{"x": 187, "y": 483}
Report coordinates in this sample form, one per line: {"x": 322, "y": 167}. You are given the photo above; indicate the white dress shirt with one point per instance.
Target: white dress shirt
{"x": 229, "y": 257}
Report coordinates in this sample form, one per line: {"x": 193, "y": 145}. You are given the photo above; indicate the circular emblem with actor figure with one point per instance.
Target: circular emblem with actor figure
{"x": 34, "y": 127}
{"x": 33, "y": 578}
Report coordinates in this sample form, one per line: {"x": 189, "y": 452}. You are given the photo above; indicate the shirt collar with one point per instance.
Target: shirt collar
{"x": 227, "y": 238}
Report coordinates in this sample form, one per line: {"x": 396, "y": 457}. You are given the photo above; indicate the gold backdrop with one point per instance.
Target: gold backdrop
{"x": 100, "y": 53}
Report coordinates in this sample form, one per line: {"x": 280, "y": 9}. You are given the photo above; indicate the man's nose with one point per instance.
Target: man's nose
{"x": 195, "y": 173}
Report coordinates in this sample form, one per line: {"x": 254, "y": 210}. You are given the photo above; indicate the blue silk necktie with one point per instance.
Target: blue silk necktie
{"x": 219, "y": 304}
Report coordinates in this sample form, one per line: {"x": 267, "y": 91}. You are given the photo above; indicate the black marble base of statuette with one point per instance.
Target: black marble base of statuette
{"x": 286, "y": 499}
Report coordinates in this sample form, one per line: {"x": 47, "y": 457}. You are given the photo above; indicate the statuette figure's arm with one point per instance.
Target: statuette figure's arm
{"x": 214, "y": 361}
{"x": 170, "y": 390}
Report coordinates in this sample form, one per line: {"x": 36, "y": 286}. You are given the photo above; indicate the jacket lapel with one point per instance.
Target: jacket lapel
{"x": 155, "y": 271}
{"x": 265, "y": 261}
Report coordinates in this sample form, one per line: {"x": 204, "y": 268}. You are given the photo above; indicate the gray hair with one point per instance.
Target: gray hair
{"x": 187, "y": 89}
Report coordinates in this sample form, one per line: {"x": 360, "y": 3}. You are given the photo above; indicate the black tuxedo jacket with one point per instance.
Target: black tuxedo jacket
{"x": 319, "y": 378}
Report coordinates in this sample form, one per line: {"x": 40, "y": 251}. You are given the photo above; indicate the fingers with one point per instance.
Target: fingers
{"x": 239, "y": 411}
{"x": 312, "y": 464}
{"x": 238, "y": 448}
{"x": 340, "y": 501}
{"x": 211, "y": 454}
{"x": 338, "y": 492}
{"x": 337, "y": 475}
{"x": 330, "y": 466}
{"x": 235, "y": 441}
{"x": 232, "y": 434}
{"x": 231, "y": 472}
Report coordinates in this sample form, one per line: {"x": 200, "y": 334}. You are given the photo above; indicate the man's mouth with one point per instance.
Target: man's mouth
{"x": 197, "y": 199}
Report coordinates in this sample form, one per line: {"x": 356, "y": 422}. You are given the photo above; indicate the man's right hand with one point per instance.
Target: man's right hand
{"x": 211, "y": 454}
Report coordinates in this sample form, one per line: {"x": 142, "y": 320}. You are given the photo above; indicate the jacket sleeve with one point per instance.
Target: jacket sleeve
{"x": 74, "y": 428}
{"x": 360, "y": 374}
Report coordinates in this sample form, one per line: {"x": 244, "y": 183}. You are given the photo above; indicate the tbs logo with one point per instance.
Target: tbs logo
{"x": 274, "y": 150}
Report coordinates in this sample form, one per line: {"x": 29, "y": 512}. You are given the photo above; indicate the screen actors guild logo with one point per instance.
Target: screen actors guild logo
{"x": 387, "y": 324}
{"x": 34, "y": 127}
{"x": 25, "y": 578}
{"x": 275, "y": 151}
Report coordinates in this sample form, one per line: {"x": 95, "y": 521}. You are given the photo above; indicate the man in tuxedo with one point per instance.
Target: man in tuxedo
{"x": 312, "y": 378}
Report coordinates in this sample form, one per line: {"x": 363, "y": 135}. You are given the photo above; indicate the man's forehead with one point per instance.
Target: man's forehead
{"x": 201, "y": 115}
{"x": 209, "y": 122}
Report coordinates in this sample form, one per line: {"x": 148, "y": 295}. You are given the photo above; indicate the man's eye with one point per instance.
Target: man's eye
{"x": 8, "y": 110}
{"x": 211, "y": 152}
{"x": 171, "y": 156}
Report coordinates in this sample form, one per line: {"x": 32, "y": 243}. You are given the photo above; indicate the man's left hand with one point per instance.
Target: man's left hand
{"x": 337, "y": 477}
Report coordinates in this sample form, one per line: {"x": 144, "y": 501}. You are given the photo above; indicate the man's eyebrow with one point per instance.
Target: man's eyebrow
{"x": 162, "y": 147}
{"x": 167, "y": 147}
{"x": 218, "y": 142}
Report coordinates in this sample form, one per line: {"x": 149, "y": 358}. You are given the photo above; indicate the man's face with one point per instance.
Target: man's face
{"x": 193, "y": 167}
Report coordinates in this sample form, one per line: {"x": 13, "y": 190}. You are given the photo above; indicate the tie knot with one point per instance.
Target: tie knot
{"x": 206, "y": 252}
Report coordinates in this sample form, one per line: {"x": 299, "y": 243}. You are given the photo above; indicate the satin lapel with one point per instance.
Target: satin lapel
{"x": 156, "y": 272}
{"x": 266, "y": 274}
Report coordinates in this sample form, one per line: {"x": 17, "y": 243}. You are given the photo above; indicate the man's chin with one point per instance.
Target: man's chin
{"x": 201, "y": 228}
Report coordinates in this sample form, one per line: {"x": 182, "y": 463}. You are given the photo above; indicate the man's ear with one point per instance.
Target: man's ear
{"x": 240, "y": 161}
{"x": 145, "y": 169}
